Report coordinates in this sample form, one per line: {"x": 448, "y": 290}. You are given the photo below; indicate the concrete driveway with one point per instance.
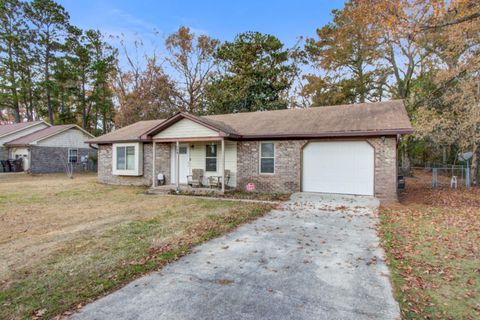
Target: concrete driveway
{"x": 317, "y": 257}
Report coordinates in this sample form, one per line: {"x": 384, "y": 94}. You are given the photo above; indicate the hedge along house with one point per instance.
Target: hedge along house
{"x": 347, "y": 149}
{"x": 51, "y": 148}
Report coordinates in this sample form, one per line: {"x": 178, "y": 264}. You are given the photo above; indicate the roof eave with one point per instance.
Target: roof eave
{"x": 118, "y": 141}
{"x": 17, "y": 145}
{"x": 344, "y": 134}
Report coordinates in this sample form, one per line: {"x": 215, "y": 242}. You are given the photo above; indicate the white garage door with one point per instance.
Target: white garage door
{"x": 338, "y": 167}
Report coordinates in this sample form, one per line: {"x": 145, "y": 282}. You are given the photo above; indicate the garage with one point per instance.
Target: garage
{"x": 345, "y": 167}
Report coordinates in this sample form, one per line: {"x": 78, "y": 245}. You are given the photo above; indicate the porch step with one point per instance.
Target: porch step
{"x": 184, "y": 189}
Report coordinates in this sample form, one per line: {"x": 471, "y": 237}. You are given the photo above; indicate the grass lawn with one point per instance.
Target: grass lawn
{"x": 432, "y": 239}
{"x": 64, "y": 242}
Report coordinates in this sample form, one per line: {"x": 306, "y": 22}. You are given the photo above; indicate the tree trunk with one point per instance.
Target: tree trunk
{"x": 474, "y": 166}
{"x": 47, "y": 81}
{"x": 85, "y": 112}
{"x": 13, "y": 84}
{"x": 405, "y": 163}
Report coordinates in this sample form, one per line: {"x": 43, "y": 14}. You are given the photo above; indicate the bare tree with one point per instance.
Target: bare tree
{"x": 191, "y": 57}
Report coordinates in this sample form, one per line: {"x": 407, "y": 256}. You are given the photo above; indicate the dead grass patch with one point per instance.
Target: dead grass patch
{"x": 64, "y": 242}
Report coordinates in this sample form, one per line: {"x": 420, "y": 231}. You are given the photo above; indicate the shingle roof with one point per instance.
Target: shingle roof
{"x": 128, "y": 133}
{"x": 353, "y": 119}
{"x": 10, "y": 128}
{"x": 380, "y": 118}
{"x": 40, "y": 134}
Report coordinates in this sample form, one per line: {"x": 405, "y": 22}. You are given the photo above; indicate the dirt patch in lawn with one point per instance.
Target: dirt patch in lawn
{"x": 64, "y": 242}
{"x": 432, "y": 240}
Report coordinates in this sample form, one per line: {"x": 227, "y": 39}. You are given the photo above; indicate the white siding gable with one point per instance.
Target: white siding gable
{"x": 186, "y": 129}
{"x": 71, "y": 138}
{"x": 21, "y": 133}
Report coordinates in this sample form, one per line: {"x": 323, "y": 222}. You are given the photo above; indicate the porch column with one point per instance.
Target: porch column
{"x": 154, "y": 154}
{"x": 177, "y": 164}
{"x": 223, "y": 166}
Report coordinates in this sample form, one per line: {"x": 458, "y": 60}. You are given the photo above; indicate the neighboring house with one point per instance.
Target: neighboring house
{"x": 48, "y": 148}
{"x": 13, "y": 131}
{"x": 347, "y": 149}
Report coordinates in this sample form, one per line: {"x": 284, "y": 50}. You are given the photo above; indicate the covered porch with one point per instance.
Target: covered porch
{"x": 199, "y": 155}
{"x": 197, "y": 164}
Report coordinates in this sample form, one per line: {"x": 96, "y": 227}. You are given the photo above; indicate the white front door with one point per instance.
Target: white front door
{"x": 184, "y": 163}
{"x": 338, "y": 167}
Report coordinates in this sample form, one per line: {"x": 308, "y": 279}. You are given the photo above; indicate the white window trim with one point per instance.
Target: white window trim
{"x": 68, "y": 155}
{"x": 216, "y": 159}
{"x": 260, "y": 158}
{"x": 138, "y": 168}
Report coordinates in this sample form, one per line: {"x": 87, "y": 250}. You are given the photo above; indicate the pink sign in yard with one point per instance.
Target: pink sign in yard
{"x": 250, "y": 187}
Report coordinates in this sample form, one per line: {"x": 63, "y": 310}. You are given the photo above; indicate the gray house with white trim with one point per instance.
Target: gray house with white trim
{"x": 45, "y": 148}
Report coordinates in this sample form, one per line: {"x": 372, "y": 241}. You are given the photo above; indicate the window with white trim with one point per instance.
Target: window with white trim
{"x": 72, "y": 155}
{"x": 267, "y": 157}
{"x": 127, "y": 159}
{"x": 211, "y": 158}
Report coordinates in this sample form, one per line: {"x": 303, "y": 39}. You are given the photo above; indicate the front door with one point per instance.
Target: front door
{"x": 184, "y": 160}
{"x": 184, "y": 163}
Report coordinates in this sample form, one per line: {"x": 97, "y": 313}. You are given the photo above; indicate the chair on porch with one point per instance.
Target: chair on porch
{"x": 227, "y": 177}
{"x": 195, "y": 179}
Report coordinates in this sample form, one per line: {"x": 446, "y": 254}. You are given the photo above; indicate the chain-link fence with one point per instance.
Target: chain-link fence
{"x": 449, "y": 175}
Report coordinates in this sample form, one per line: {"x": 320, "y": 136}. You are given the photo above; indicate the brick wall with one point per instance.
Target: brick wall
{"x": 3, "y": 153}
{"x": 54, "y": 159}
{"x": 288, "y": 167}
{"x": 287, "y": 177}
{"x": 162, "y": 165}
{"x": 385, "y": 168}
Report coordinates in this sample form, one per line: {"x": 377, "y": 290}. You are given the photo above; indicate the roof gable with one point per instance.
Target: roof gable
{"x": 45, "y": 133}
{"x": 199, "y": 124}
{"x": 186, "y": 128}
{"x": 8, "y": 129}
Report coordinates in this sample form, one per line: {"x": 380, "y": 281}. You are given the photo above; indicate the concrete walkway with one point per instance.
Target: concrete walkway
{"x": 316, "y": 258}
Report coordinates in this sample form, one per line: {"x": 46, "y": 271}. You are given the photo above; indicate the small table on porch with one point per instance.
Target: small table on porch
{"x": 215, "y": 181}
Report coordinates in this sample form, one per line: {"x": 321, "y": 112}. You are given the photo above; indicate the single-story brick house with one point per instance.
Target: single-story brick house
{"x": 350, "y": 149}
{"x": 45, "y": 148}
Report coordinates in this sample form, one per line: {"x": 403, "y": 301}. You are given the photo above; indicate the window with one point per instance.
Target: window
{"x": 72, "y": 155}
{"x": 211, "y": 158}
{"x": 126, "y": 158}
{"x": 267, "y": 157}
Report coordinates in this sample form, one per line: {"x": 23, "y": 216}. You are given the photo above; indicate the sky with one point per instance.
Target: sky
{"x": 151, "y": 21}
